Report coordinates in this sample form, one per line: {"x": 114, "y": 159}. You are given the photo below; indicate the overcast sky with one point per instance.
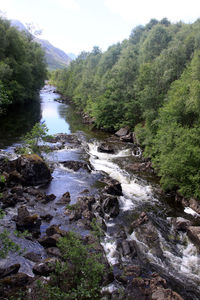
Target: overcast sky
{"x": 76, "y": 25}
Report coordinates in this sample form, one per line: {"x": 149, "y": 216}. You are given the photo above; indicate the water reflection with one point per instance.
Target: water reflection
{"x": 59, "y": 118}
{"x": 18, "y": 121}
{"x": 50, "y": 111}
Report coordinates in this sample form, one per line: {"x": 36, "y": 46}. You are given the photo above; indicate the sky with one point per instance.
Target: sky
{"x": 77, "y": 25}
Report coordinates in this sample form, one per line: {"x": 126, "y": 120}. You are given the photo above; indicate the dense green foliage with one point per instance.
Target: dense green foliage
{"x": 150, "y": 82}
{"x": 22, "y": 66}
{"x": 78, "y": 276}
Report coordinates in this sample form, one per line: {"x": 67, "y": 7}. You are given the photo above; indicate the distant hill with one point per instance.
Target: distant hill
{"x": 55, "y": 58}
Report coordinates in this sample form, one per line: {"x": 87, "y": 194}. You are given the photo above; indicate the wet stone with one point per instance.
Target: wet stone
{"x": 46, "y": 217}
{"x": 182, "y": 224}
{"x": 32, "y": 170}
{"x": 35, "y": 257}
{"x": 105, "y": 148}
{"x": 195, "y": 205}
{"x": 45, "y": 267}
{"x": 10, "y": 200}
{"x": 53, "y": 251}
{"x": 49, "y": 241}
{"x": 65, "y": 199}
{"x": 54, "y": 229}
{"x": 111, "y": 206}
{"x": 17, "y": 280}
{"x": 76, "y": 165}
{"x": 194, "y": 234}
{"x": 113, "y": 188}
{"x": 25, "y": 221}
{"x": 9, "y": 270}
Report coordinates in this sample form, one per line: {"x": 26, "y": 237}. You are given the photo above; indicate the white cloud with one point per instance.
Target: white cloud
{"x": 69, "y": 4}
{"x": 140, "y": 12}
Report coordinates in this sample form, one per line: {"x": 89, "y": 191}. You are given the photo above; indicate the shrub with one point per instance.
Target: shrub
{"x": 78, "y": 276}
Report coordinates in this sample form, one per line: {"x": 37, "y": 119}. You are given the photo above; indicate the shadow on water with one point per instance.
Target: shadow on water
{"x": 18, "y": 121}
{"x": 76, "y": 123}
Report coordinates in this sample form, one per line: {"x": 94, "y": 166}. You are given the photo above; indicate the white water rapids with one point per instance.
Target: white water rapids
{"x": 185, "y": 265}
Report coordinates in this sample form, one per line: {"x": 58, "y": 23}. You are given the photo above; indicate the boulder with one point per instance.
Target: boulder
{"x": 165, "y": 294}
{"x": 194, "y": 234}
{"x": 182, "y": 224}
{"x": 147, "y": 233}
{"x": 11, "y": 284}
{"x": 63, "y": 138}
{"x": 75, "y": 165}
{"x": 113, "y": 187}
{"x": 122, "y": 132}
{"x": 10, "y": 200}
{"x": 46, "y": 217}
{"x": 111, "y": 206}
{"x": 25, "y": 221}
{"x": 195, "y": 205}
{"x": 143, "y": 218}
{"x": 141, "y": 167}
{"x": 49, "y": 198}
{"x": 54, "y": 229}
{"x": 32, "y": 170}
{"x": 53, "y": 251}
{"x": 85, "y": 203}
{"x": 45, "y": 267}
{"x": 35, "y": 257}
{"x": 9, "y": 270}
{"x": 49, "y": 241}
{"x": 65, "y": 199}
{"x": 127, "y": 138}
{"x": 105, "y": 148}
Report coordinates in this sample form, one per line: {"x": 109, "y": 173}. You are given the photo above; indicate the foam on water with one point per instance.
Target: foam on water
{"x": 181, "y": 260}
{"x": 190, "y": 211}
{"x": 110, "y": 248}
{"x": 133, "y": 191}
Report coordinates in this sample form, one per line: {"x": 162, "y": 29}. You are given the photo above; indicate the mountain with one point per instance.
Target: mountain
{"x": 55, "y": 57}
{"x": 17, "y": 24}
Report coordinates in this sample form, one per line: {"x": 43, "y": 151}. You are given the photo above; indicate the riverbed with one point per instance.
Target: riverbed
{"x": 160, "y": 247}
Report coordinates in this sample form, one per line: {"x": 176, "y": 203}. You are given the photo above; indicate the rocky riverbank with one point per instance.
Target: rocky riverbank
{"x": 24, "y": 201}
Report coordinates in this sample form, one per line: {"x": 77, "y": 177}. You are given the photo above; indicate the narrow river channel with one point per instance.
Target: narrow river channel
{"x": 168, "y": 252}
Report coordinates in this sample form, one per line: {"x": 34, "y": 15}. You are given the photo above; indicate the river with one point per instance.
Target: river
{"x": 167, "y": 251}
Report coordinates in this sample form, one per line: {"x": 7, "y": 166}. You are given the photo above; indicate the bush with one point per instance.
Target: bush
{"x": 38, "y": 132}
{"x": 78, "y": 276}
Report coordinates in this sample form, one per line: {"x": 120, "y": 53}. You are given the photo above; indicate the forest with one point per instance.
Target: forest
{"x": 22, "y": 66}
{"x": 151, "y": 83}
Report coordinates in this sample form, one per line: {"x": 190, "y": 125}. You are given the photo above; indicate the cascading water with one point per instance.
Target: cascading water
{"x": 180, "y": 259}
{"x": 171, "y": 253}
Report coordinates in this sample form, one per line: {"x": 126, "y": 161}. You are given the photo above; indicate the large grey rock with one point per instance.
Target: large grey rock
{"x": 122, "y": 132}
{"x": 30, "y": 169}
